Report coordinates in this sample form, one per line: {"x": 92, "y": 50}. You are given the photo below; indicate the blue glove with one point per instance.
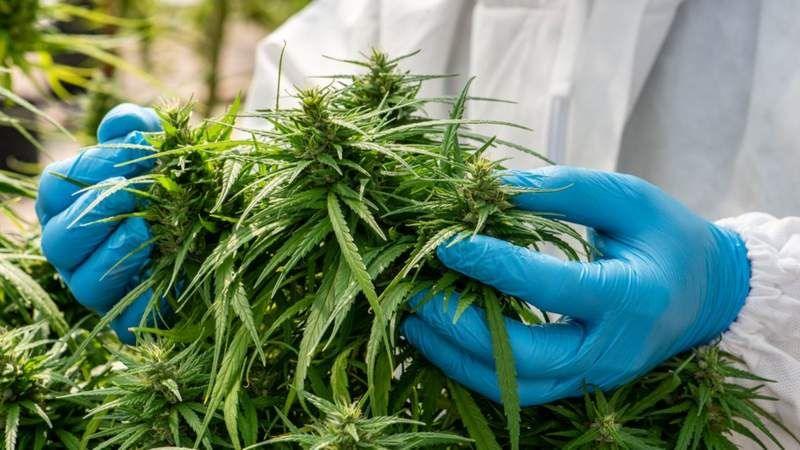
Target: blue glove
{"x": 84, "y": 252}
{"x": 666, "y": 281}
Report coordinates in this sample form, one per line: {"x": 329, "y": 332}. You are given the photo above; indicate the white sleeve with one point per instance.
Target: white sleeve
{"x": 766, "y": 334}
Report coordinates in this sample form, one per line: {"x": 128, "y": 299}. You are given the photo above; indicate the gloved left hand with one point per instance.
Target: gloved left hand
{"x": 83, "y": 252}
{"x": 666, "y": 281}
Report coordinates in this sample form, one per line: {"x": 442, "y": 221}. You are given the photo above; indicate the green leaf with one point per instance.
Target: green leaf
{"x": 316, "y": 324}
{"x": 12, "y": 426}
{"x": 380, "y": 384}
{"x": 364, "y": 213}
{"x": 472, "y": 417}
{"x": 191, "y": 419}
{"x": 688, "y": 430}
{"x": 32, "y": 292}
{"x": 392, "y": 298}
{"x": 658, "y": 394}
{"x": 230, "y": 412}
{"x": 241, "y": 306}
{"x": 339, "y": 383}
{"x": 248, "y": 420}
{"x": 35, "y": 408}
{"x": 231, "y": 169}
{"x": 69, "y": 440}
{"x": 504, "y": 361}
{"x": 350, "y": 252}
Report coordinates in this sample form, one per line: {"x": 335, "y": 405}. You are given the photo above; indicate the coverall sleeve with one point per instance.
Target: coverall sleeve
{"x": 766, "y": 334}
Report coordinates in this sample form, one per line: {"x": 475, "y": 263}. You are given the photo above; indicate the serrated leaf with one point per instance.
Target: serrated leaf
{"x": 339, "y": 383}
{"x": 472, "y": 418}
{"x": 230, "y": 410}
{"x": 504, "y": 362}
{"x": 12, "y": 426}
{"x": 350, "y": 252}
{"x": 241, "y": 306}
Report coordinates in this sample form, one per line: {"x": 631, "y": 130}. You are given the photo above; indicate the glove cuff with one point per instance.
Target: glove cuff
{"x": 765, "y": 334}
{"x": 734, "y": 278}
{"x": 770, "y": 274}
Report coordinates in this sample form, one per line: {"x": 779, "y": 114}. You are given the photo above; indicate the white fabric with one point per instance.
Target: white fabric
{"x": 700, "y": 97}
{"x": 766, "y": 334}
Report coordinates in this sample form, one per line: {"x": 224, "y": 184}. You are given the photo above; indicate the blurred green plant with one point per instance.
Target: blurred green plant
{"x": 270, "y": 13}
{"x": 29, "y": 41}
{"x": 100, "y": 98}
{"x": 212, "y": 18}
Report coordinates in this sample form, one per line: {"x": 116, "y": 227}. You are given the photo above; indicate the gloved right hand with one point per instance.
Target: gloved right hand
{"x": 666, "y": 280}
{"x": 84, "y": 252}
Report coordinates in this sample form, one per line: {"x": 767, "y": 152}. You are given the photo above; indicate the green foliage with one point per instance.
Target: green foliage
{"x": 13, "y": 187}
{"x": 696, "y": 400}
{"x": 288, "y": 256}
{"x": 33, "y": 372}
{"x": 157, "y": 393}
{"x": 271, "y": 13}
{"x": 344, "y": 427}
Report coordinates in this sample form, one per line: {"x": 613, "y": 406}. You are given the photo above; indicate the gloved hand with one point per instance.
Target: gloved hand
{"x": 666, "y": 281}
{"x": 84, "y": 252}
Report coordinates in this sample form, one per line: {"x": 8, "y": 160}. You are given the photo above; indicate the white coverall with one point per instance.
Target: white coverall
{"x": 700, "y": 97}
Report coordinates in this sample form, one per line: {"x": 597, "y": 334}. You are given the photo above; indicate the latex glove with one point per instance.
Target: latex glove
{"x": 667, "y": 281}
{"x": 84, "y": 252}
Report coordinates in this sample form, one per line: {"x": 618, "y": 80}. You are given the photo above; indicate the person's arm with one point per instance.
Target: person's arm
{"x": 766, "y": 333}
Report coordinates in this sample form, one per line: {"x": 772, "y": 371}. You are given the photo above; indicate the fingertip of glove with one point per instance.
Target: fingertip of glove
{"x": 135, "y": 137}
{"x": 124, "y": 334}
{"x": 41, "y": 214}
{"x": 127, "y": 117}
{"x": 409, "y": 328}
{"x": 54, "y": 194}
{"x": 131, "y": 317}
{"x": 520, "y": 178}
{"x": 137, "y": 229}
{"x": 535, "y": 178}
{"x": 457, "y": 254}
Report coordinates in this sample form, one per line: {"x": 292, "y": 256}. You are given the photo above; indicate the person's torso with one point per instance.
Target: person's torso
{"x": 694, "y": 97}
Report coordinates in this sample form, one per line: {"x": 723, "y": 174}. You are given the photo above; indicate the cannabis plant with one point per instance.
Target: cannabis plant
{"x": 39, "y": 329}
{"x": 33, "y": 372}
{"x": 344, "y": 427}
{"x": 285, "y": 259}
{"x": 153, "y": 398}
{"x": 23, "y": 299}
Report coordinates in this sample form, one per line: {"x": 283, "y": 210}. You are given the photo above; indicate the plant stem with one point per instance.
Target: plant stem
{"x": 217, "y": 15}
